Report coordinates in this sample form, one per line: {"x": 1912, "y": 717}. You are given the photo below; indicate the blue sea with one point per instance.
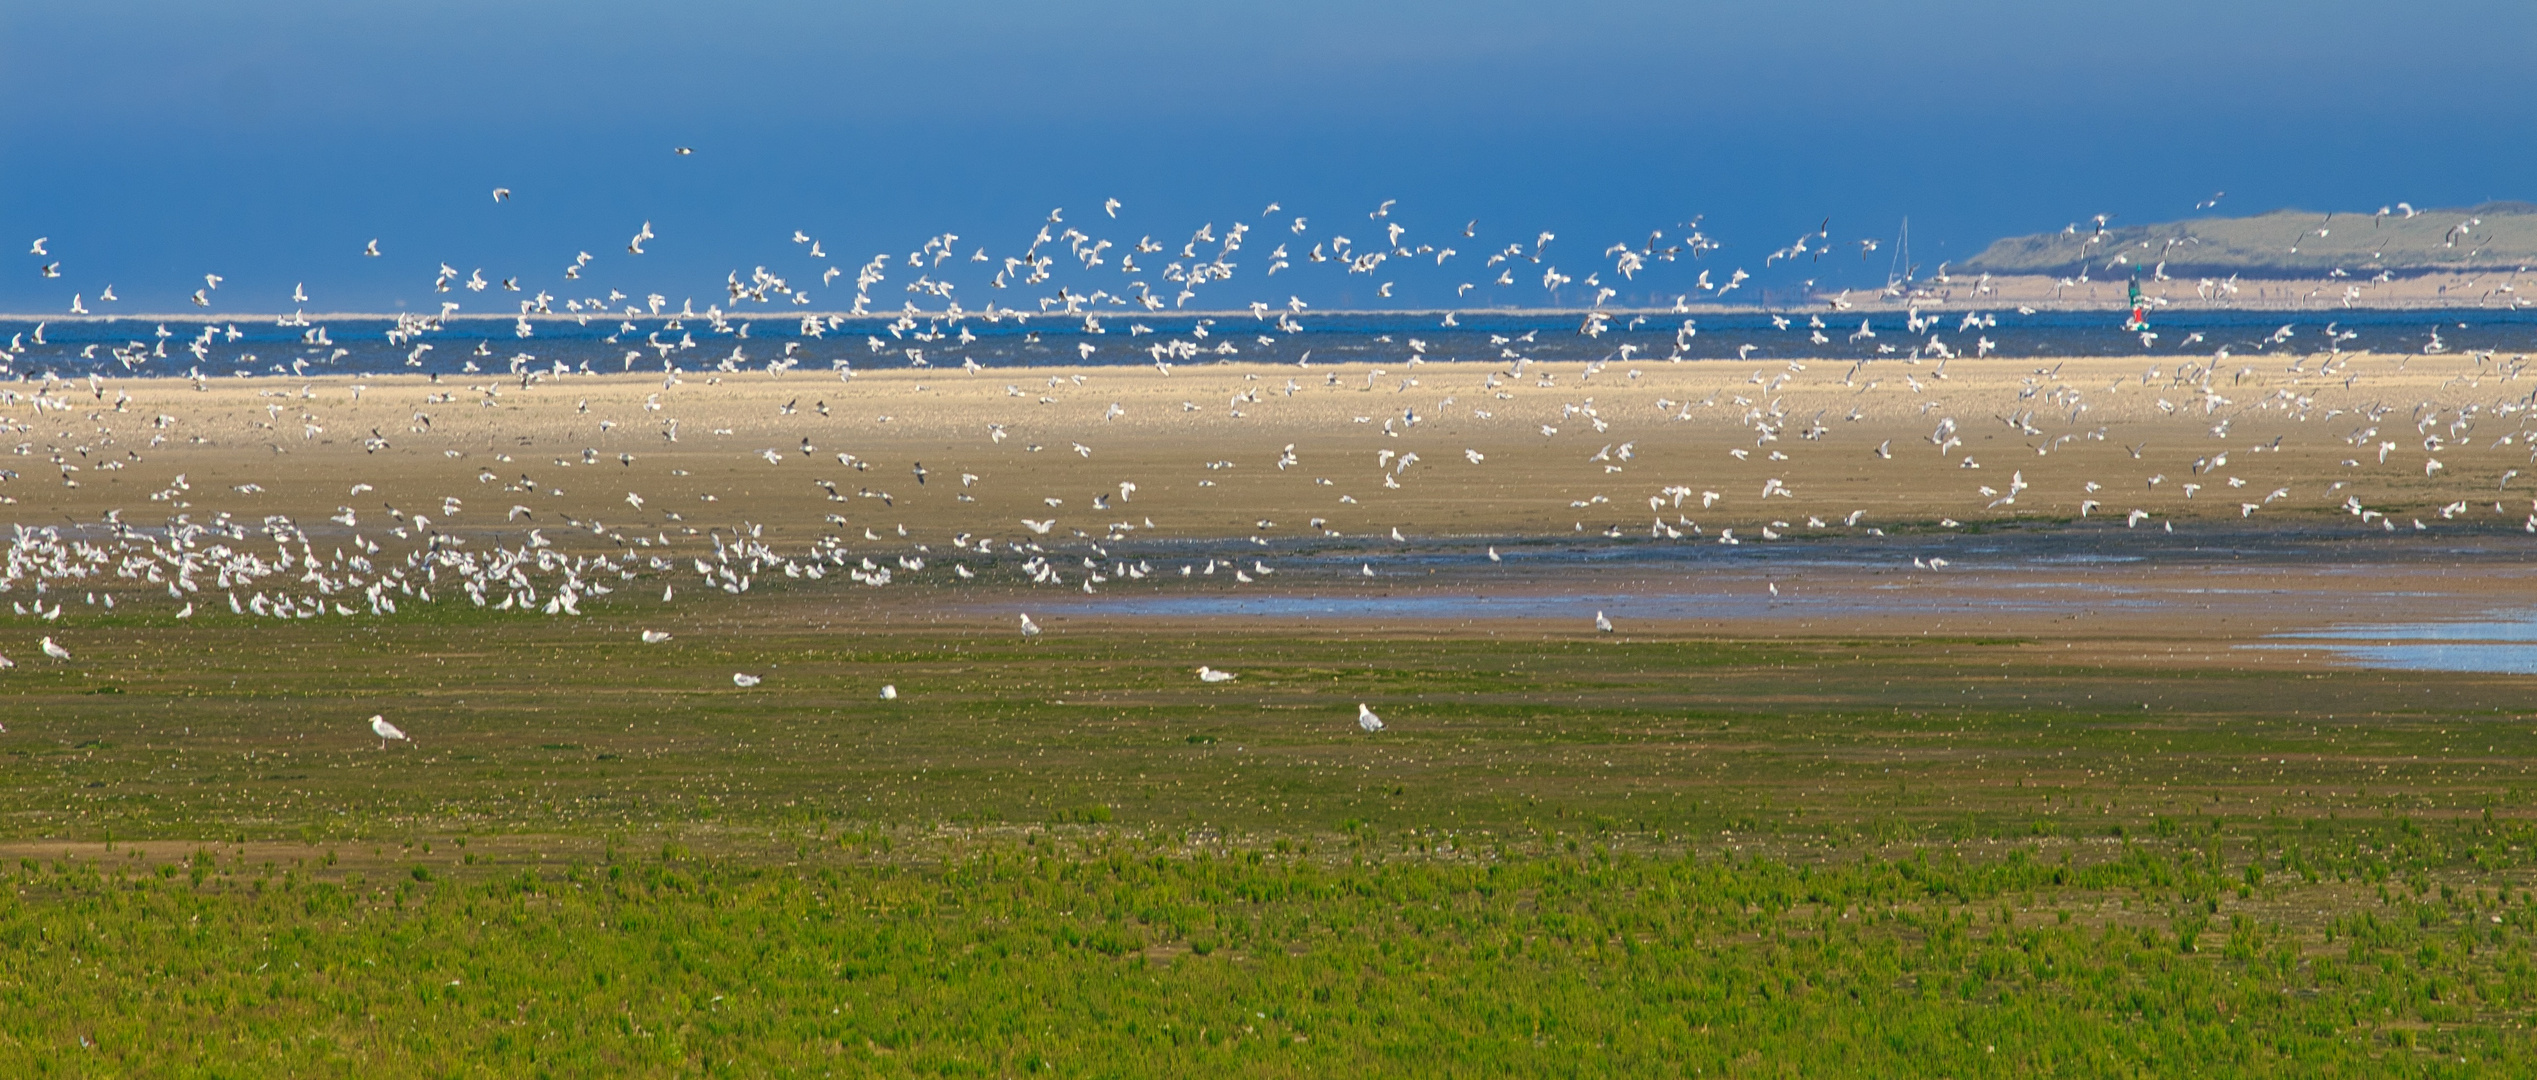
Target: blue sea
{"x": 756, "y": 338}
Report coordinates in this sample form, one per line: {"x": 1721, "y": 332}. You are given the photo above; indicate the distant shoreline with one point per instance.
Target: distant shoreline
{"x": 2115, "y": 303}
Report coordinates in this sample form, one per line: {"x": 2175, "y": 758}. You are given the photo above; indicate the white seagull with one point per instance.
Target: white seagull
{"x": 1029, "y": 628}
{"x": 655, "y": 637}
{"x": 1601, "y": 623}
{"x": 1366, "y": 718}
{"x": 55, "y": 651}
{"x": 744, "y": 680}
{"x": 1208, "y": 674}
{"x": 380, "y": 727}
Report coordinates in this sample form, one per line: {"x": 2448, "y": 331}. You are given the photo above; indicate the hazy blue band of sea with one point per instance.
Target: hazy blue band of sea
{"x": 757, "y": 337}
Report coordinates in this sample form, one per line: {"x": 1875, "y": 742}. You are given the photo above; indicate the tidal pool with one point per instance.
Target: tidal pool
{"x": 2499, "y": 644}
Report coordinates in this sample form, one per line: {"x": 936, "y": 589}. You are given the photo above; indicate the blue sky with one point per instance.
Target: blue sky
{"x": 154, "y": 142}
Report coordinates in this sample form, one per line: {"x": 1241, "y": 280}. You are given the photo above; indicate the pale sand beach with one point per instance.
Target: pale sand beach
{"x": 1710, "y": 451}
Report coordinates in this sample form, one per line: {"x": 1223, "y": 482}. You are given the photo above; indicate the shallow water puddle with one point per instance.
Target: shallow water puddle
{"x": 2503, "y": 644}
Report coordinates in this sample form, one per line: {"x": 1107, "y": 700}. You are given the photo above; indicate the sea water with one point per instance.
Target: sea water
{"x": 760, "y": 338}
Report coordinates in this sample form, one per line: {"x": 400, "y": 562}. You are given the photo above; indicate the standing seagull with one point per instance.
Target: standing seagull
{"x": 1029, "y": 628}
{"x": 55, "y": 651}
{"x": 1601, "y": 623}
{"x": 1366, "y": 718}
{"x": 385, "y": 731}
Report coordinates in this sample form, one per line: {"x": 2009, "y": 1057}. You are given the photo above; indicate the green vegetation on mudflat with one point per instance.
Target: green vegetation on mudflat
{"x": 1568, "y": 855}
{"x": 1093, "y": 953}
{"x": 221, "y": 729}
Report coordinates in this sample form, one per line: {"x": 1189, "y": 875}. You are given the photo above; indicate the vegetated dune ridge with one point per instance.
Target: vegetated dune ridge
{"x": 2495, "y": 236}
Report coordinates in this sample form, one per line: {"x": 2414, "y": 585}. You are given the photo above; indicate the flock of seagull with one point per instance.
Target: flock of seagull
{"x": 275, "y": 568}
{"x": 185, "y": 558}
{"x": 1144, "y": 275}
